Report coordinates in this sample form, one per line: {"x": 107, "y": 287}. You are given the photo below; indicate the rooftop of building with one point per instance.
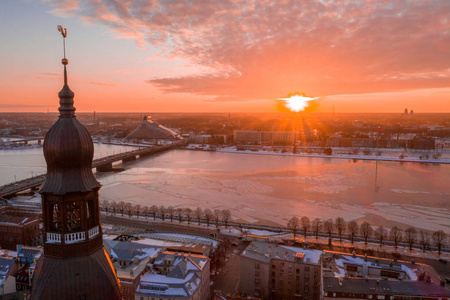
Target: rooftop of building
{"x": 29, "y": 252}
{"x": 174, "y": 274}
{"x": 337, "y": 265}
{"x": 149, "y": 129}
{"x": 182, "y": 263}
{"x": 179, "y": 242}
{"x": 265, "y": 252}
{"x": 14, "y": 217}
{"x": 6, "y": 263}
{"x": 383, "y": 287}
{"x": 126, "y": 251}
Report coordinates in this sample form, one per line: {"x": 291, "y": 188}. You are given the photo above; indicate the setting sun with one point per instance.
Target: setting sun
{"x": 297, "y": 103}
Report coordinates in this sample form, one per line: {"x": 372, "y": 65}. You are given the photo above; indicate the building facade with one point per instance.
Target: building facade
{"x": 272, "y": 271}
{"x": 251, "y": 137}
{"x": 18, "y": 227}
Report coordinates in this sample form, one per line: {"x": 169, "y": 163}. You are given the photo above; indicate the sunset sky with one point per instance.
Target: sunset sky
{"x": 226, "y": 55}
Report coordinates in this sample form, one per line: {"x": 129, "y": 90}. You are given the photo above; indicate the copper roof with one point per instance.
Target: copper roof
{"x": 68, "y": 151}
{"x": 83, "y": 277}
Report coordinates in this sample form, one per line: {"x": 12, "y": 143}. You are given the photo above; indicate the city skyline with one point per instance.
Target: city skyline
{"x": 357, "y": 56}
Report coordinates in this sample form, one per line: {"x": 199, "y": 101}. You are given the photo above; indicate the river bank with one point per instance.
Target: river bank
{"x": 420, "y": 157}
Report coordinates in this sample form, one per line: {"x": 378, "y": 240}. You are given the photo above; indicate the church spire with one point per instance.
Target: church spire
{"x": 75, "y": 264}
{"x": 66, "y": 108}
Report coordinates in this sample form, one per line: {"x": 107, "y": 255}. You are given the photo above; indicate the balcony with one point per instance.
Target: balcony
{"x": 53, "y": 237}
{"x": 93, "y": 232}
{"x": 72, "y": 238}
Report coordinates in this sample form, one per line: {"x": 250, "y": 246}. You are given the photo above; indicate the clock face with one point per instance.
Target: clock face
{"x": 73, "y": 217}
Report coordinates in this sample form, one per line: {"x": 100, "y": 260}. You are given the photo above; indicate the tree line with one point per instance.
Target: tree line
{"x": 351, "y": 229}
{"x": 169, "y": 212}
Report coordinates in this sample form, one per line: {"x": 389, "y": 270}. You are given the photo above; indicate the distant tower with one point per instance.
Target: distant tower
{"x": 75, "y": 264}
{"x": 405, "y": 113}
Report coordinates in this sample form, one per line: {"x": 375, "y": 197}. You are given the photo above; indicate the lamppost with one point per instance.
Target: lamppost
{"x": 376, "y": 161}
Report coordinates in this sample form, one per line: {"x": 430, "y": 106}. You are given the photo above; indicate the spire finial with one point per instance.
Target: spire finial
{"x": 64, "y": 61}
{"x": 65, "y": 95}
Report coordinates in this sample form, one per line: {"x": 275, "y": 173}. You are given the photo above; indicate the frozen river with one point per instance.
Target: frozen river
{"x": 269, "y": 189}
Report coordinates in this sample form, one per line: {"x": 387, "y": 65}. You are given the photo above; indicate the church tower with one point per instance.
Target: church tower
{"x": 75, "y": 264}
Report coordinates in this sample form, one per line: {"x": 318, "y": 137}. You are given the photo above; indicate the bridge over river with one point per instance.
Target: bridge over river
{"x": 104, "y": 164}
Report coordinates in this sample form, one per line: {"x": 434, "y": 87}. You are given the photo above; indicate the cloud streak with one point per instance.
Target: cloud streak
{"x": 267, "y": 49}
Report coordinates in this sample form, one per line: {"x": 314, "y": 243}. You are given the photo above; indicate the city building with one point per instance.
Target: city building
{"x": 181, "y": 242}
{"x": 209, "y": 247}
{"x": 272, "y": 271}
{"x": 360, "y": 277}
{"x": 152, "y": 130}
{"x": 250, "y": 137}
{"x": 7, "y": 279}
{"x": 422, "y": 143}
{"x": 27, "y": 259}
{"x": 18, "y": 227}
{"x": 75, "y": 264}
{"x": 176, "y": 275}
{"x": 130, "y": 261}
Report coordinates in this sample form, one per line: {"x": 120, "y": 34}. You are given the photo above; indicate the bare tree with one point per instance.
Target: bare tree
{"x": 198, "y": 214}
{"x": 293, "y": 224}
{"x": 144, "y": 210}
{"x": 104, "y": 205}
{"x": 121, "y": 206}
{"x": 410, "y": 236}
{"x": 162, "y": 212}
{"x": 137, "y": 209}
{"x": 396, "y": 235}
{"x": 366, "y": 231}
{"x": 153, "y": 210}
{"x": 339, "y": 223}
{"x": 179, "y": 214}
{"x": 316, "y": 227}
{"x": 171, "y": 212}
{"x": 306, "y": 224}
{"x": 208, "y": 215}
{"x": 352, "y": 229}
{"x": 438, "y": 240}
{"x": 188, "y": 214}
{"x": 217, "y": 214}
{"x": 114, "y": 206}
{"x": 381, "y": 234}
{"x": 226, "y": 216}
{"x": 424, "y": 240}
{"x": 129, "y": 208}
{"x": 328, "y": 227}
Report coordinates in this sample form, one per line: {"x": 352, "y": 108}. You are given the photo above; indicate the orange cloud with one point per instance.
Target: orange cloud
{"x": 261, "y": 50}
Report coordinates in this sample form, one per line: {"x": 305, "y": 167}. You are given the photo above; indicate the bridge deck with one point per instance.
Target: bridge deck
{"x": 35, "y": 181}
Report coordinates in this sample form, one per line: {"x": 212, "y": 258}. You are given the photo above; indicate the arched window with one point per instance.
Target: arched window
{"x": 73, "y": 220}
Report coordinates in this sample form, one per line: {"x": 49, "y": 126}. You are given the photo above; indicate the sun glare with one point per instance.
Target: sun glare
{"x": 297, "y": 103}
